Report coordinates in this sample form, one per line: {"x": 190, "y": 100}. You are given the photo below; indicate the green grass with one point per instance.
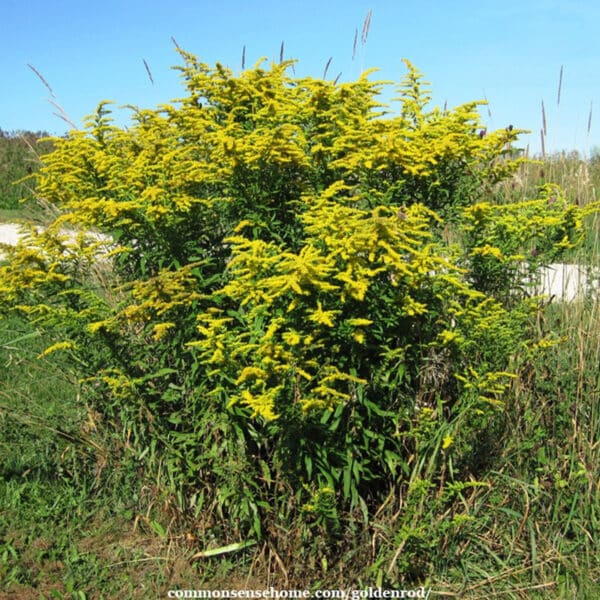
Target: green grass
{"x": 12, "y": 215}
{"x": 30, "y": 213}
{"x": 541, "y": 511}
{"x": 67, "y": 517}
{"x": 19, "y": 159}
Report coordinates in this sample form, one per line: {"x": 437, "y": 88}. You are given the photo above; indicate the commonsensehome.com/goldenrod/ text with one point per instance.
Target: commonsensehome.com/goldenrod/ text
{"x": 347, "y": 594}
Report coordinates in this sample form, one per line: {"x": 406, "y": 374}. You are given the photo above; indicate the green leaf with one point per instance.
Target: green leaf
{"x": 158, "y": 529}
{"x": 224, "y": 549}
{"x": 157, "y": 374}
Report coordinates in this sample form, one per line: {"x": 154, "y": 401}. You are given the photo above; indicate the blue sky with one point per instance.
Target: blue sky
{"x": 509, "y": 52}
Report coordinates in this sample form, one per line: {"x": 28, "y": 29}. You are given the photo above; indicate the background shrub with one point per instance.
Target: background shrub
{"x": 19, "y": 159}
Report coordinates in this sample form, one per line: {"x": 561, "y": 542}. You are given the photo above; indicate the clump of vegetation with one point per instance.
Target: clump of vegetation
{"x": 310, "y": 329}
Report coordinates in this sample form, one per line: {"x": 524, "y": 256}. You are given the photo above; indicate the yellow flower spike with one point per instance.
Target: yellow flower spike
{"x": 488, "y": 250}
{"x": 359, "y": 336}
{"x": 303, "y": 373}
{"x": 242, "y": 225}
{"x": 161, "y": 329}
{"x": 261, "y": 404}
{"x": 447, "y": 336}
{"x": 99, "y": 325}
{"x": 323, "y": 317}
{"x": 359, "y": 322}
{"x": 251, "y": 372}
{"x": 412, "y": 307}
{"x": 56, "y": 347}
{"x": 292, "y": 338}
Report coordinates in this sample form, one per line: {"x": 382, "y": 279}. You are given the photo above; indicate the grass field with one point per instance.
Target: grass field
{"x": 67, "y": 526}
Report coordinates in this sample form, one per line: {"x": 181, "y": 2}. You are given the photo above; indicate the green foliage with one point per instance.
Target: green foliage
{"x": 59, "y": 486}
{"x": 309, "y": 311}
{"x": 39, "y": 411}
{"x": 18, "y": 161}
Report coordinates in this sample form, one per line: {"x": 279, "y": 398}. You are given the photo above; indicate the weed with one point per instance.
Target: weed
{"x": 308, "y": 358}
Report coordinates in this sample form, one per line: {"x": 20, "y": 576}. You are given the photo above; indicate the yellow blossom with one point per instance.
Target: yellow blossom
{"x": 56, "y": 347}
{"x": 291, "y": 337}
{"x": 359, "y": 322}
{"x": 359, "y": 336}
{"x": 161, "y": 329}
{"x": 323, "y": 317}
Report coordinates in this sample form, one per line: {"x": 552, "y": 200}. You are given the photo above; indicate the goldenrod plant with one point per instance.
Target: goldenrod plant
{"x": 309, "y": 309}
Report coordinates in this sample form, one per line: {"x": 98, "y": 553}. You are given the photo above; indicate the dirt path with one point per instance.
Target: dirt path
{"x": 9, "y": 233}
